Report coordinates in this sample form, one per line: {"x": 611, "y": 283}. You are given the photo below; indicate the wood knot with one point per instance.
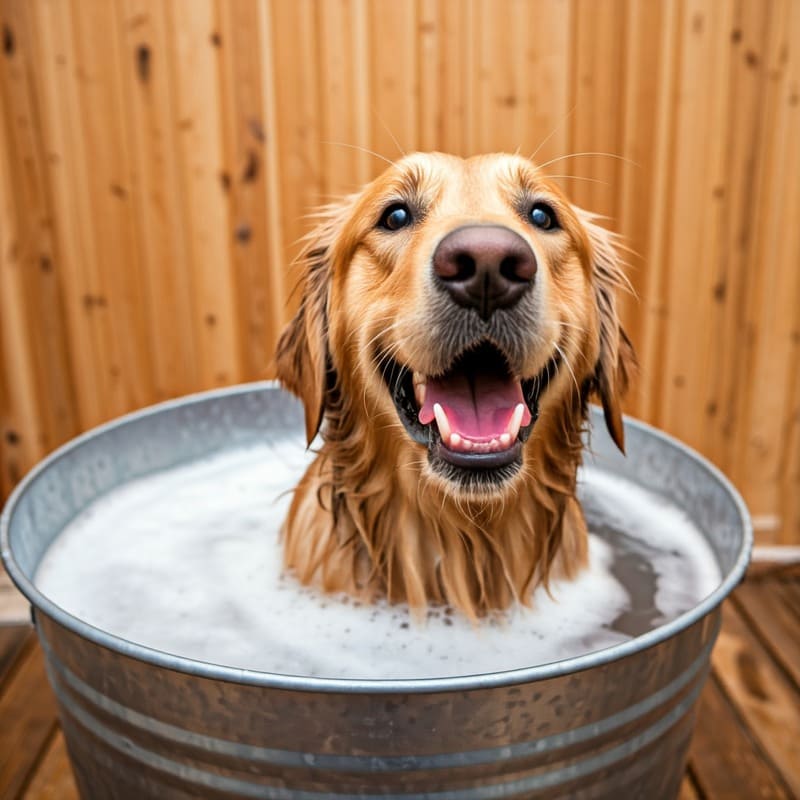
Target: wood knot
{"x": 143, "y": 57}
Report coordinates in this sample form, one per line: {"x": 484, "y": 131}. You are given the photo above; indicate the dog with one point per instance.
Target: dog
{"x": 456, "y": 317}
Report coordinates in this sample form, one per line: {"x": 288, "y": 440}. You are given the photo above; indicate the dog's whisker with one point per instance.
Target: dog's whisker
{"x": 588, "y": 154}
{"x": 553, "y": 132}
{"x": 382, "y": 332}
{"x": 580, "y": 178}
{"x": 571, "y": 326}
{"x": 382, "y": 121}
{"x": 569, "y": 367}
{"x": 360, "y": 148}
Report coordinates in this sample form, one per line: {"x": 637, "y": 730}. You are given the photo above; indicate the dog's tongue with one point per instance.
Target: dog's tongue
{"x": 477, "y": 407}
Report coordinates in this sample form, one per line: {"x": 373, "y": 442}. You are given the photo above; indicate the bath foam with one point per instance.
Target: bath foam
{"x": 188, "y": 561}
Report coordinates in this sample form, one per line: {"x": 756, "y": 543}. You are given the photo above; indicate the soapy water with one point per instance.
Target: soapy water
{"x": 188, "y": 561}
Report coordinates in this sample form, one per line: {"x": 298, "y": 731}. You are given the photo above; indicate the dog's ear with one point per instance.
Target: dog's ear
{"x": 617, "y": 360}
{"x": 302, "y": 356}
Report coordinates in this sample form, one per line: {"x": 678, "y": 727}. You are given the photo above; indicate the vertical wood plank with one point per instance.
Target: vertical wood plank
{"x": 250, "y": 141}
{"x": 39, "y": 263}
{"x": 653, "y": 325}
{"x": 646, "y": 59}
{"x": 394, "y": 82}
{"x": 194, "y": 62}
{"x": 8, "y": 468}
{"x": 115, "y": 300}
{"x": 522, "y": 79}
{"x": 156, "y": 197}
{"x": 790, "y": 477}
{"x": 739, "y": 202}
{"x": 296, "y": 99}
{"x": 20, "y": 418}
{"x": 344, "y": 96}
{"x": 695, "y": 226}
{"x": 769, "y": 355}
{"x": 55, "y": 78}
{"x": 446, "y": 55}
{"x": 447, "y": 58}
{"x": 295, "y": 53}
{"x": 598, "y": 46}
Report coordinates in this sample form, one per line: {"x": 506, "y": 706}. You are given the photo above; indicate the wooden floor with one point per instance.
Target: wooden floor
{"x": 746, "y": 745}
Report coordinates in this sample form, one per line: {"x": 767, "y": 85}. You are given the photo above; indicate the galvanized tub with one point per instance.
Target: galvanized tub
{"x": 140, "y": 723}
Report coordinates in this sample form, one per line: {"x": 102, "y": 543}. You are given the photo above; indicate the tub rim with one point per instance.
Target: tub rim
{"x": 490, "y": 680}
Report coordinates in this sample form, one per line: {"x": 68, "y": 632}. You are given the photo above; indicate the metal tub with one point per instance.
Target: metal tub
{"x": 145, "y": 724}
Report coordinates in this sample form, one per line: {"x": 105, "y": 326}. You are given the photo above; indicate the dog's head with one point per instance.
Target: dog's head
{"x": 461, "y": 302}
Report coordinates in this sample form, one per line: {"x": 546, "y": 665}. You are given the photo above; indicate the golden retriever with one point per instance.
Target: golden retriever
{"x": 456, "y": 317}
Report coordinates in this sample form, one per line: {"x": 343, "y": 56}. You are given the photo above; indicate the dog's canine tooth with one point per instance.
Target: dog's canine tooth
{"x": 515, "y": 421}
{"x": 505, "y": 440}
{"x": 420, "y": 390}
{"x": 442, "y": 422}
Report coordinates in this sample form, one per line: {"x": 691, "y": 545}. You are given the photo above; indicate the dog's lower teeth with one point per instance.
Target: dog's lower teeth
{"x": 457, "y": 442}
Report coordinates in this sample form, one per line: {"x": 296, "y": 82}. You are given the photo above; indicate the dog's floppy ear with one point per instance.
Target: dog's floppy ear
{"x": 617, "y": 359}
{"x": 302, "y": 357}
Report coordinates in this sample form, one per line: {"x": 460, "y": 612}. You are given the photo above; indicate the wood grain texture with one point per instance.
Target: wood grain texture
{"x": 53, "y": 777}
{"x": 767, "y": 701}
{"x": 158, "y": 161}
{"x": 12, "y": 640}
{"x": 27, "y": 721}
{"x": 725, "y": 760}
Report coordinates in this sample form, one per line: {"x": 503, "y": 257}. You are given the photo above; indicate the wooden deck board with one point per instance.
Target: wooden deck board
{"x": 769, "y": 613}
{"x": 688, "y": 790}
{"x": 765, "y": 699}
{"x": 12, "y": 641}
{"x": 791, "y": 594}
{"x": 53, "y": 777}
{"x": 724, "y": 759}
{"x": 14, "y": 608}
{"x": 746, "y": 743}
{"x": 27, "y": 721}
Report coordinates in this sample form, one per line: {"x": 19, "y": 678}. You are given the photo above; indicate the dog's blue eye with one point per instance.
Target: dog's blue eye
{"x": 542, "y": 216}
{"x": 395, "y": 217}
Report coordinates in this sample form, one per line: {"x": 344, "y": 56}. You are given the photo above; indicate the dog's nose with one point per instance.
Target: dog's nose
{"x": 484, "y": 267}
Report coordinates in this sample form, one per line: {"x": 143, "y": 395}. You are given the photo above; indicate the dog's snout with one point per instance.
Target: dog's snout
{"x": 484, "y": 267}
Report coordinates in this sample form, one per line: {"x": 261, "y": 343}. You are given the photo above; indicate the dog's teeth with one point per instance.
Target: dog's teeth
{"x": 419, "y": 393}
{"x": 418, "y": 377}
{"x": 441, "y": 421}
{"x": 455, "y": 441}
{"x": 466, "y": 444}
{"x": 493, "y": 445}
{"x": 505, "y": 440}
{"x": 515, "y": 422}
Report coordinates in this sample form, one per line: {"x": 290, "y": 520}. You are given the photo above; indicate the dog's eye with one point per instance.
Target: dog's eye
{"x": 395, "y": 217}
{"x": 542, "y": 216}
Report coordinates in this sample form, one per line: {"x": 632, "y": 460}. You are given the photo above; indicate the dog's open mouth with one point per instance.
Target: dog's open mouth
{"x": 476, "y": 415}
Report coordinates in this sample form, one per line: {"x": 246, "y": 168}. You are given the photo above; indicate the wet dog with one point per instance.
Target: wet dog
{"x": 456, "y": 318}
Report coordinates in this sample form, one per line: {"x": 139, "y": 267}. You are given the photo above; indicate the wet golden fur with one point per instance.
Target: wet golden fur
{"x": 370, "y": 517}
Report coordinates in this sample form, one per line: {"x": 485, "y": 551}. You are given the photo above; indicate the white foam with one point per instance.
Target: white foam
{"x": 683, "y": 563}
{"x": 188, "y": 562}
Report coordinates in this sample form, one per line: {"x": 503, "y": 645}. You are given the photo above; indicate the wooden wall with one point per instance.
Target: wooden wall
{"x": 157, "y": 158}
